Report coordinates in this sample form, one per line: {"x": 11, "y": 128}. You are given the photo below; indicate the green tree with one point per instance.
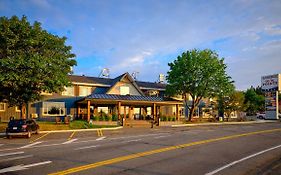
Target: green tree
{"x": 31, "y": 61}
{"x": 254, "y": 102}
{"x": 200, "y": 74}
{"x": 234, "y": 102}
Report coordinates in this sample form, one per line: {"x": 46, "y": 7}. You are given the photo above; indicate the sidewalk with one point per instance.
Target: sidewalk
{"x": 227, "y": 123}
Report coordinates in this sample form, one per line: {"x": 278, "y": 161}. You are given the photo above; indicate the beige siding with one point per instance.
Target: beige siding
{"x": 116, "y": 88}
{"x": 9, "y": 112}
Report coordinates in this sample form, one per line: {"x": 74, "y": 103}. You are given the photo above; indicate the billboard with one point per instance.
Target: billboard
{"x": 271, "y": 83}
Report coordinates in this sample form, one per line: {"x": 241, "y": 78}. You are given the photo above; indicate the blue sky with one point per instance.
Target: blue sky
{"x": 144, "y": 36}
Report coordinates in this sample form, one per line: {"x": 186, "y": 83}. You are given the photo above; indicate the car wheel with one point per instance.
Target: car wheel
{"x": 28, "y": 134}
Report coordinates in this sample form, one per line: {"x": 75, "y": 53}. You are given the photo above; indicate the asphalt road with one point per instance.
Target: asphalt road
{"x": 235, "y": 149}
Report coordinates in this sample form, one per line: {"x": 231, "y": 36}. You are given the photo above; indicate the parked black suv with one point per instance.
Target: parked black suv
{"x": 23, "y": 127}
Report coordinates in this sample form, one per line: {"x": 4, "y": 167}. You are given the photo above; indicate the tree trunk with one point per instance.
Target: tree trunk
{"x": 191, "y": 111}
{"x": 22, "y": 114}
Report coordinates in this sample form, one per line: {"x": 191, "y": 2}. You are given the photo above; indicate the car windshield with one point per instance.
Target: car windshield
{"x": 16, "y": 122}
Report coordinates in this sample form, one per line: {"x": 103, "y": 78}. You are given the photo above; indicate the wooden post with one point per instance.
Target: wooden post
{"x": 131, "y": 112}
{"x": 154, "y": 111}
{"x": 95, "y": 111}
{"x": 119, "y": 110}
{"x": 177, "y": 112}
{"x": 125, "y": 112}
{"x": 88, "y": 110}
{"x": 78, "y": 111}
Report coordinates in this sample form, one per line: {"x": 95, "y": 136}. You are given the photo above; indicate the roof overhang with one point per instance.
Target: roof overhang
{"x": 109, "y": 99}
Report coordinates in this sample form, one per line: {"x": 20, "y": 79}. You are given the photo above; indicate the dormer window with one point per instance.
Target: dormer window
{"x": 124, "y": 90}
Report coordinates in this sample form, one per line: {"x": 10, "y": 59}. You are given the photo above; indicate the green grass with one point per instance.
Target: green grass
{"x": 49, "y": 126}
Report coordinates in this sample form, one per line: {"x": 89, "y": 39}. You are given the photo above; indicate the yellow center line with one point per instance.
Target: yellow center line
{"x": 39, "y": 137}
{"x": 70, "y": 137}
{"x": 147, "y": 153}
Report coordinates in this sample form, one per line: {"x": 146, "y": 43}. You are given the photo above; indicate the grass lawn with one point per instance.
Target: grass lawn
{"x": 49, "y": 126}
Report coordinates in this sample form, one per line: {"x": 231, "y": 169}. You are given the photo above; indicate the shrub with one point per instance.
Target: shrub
{"x": 107, "y": 118}
{"x": 101, "y": 118}
{"x": 114, "y": 117}
{"x": 94, "y": 118}
{"x": 174, "y": 119}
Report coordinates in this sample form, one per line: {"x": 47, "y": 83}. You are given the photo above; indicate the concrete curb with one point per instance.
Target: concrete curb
{"x": 76, "y": 130}
{"x": 82, "y": 130}
{"x": 226, "y": 123}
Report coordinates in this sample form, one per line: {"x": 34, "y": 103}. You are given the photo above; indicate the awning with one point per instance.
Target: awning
{"x": 128, "y": 99}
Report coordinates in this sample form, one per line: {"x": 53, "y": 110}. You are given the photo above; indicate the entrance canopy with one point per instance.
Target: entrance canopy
{"x": 128, "y": 100}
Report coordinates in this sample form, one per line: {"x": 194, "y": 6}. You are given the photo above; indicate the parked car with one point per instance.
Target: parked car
{"x": 24, "y": 127}
{"x": 260, "y": 115}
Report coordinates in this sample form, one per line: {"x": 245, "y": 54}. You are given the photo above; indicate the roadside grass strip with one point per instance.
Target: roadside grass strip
{"x": 70, "y": 137}
{"x": 39, "y": 137}
{"x": 156, "y": 151}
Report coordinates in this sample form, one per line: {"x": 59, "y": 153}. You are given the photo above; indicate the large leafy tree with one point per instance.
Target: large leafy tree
{"x": 233, "y": 102}
{"x": 200, "y": 74}
{"x": 31, "y": 61}
{"x": 254, "y": 102}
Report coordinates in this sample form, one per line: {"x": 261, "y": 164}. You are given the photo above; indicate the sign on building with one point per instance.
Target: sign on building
{"x": 271, "y": 84}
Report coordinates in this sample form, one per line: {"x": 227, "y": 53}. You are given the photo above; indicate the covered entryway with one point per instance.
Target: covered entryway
{"x": 127, "y": 107}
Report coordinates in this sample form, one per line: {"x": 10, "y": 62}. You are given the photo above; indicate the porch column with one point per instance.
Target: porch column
{"x": 95, "y": 111}
{"x": 177, "y": 112}
{"x": 154, "y": 111}
{"x": 78, "y": 111}
{"x": 119, "y": 110}
{"x": 88, "y": 110}
{"x": 125, "y": 113}
{"x": 131, "y": 109}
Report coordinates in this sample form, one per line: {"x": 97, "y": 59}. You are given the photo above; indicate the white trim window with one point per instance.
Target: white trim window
{"x": 85, "y": 90}
{"x": 2, "y": 107}
{"x": 53, "y": 108}
{"x": 69, "y": 91}
{"x": 124, "y": 90}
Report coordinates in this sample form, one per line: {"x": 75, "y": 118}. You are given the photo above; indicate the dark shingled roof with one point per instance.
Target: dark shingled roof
{"x": 143, "y": 84}
{"x": 92, "y": 80}
{"x": 124, "y": 97}
{"x": 110, "y": 81}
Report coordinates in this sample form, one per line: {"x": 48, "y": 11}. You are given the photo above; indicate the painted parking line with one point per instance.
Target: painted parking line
{"x": 158, "y": 137}
{"x": 69, "y": 141}
{"x": 101, "y": 138}
{"x": 87, "y": 147}
{"x": 156, "y": 151}
{"x": 241, "y": 160}
{"x": 15, "y": 158}
{"x": 9, "y": 154}
{"x": 30, "y": 145}
{"x": 128, "y": 141}
{"x": 22, "y": 167}
{"x": 70, "y": 137}
{"x": 39, "y": 137}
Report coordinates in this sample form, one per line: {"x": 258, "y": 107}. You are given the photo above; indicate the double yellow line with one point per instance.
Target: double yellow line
{"x": 147, "y": 153}
{"x": 99, "y": 131}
